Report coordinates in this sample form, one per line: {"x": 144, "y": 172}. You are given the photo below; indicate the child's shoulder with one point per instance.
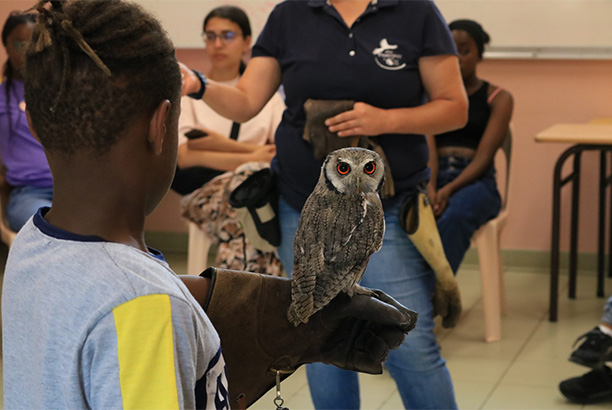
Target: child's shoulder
{"x": 102, "y": 274}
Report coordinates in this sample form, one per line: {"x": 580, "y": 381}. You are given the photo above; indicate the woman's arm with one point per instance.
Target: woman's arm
{"x": 493, "y": 137}
{"x": 242, "y": 102}
{"x": 214, "y": 141}
{"x": 433, "y": 166}
{"x": 222, "y": 161}
{"x": 446, "y": 110}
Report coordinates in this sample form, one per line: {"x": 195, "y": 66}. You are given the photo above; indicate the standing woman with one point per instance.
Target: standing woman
{"x": 227, "y": 35}
{"x": 398, "y": 61}
{"x": 24, "y": 163}
{"x": 463, "y": 189}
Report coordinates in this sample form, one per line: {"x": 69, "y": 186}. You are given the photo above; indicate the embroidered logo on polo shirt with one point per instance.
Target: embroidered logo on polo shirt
{"x": 386, "y": 57}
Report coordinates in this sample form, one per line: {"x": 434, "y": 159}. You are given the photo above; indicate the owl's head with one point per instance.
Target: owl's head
{"x": 353, "y": 171}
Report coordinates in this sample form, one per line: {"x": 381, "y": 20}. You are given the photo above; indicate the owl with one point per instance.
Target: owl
{"x": 341, "y": 225}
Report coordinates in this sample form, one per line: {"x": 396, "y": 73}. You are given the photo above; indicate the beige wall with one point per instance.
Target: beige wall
{"x": 546, "y": 92}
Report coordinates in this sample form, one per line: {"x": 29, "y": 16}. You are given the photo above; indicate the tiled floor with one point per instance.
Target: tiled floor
{"x": 522, "y": 371}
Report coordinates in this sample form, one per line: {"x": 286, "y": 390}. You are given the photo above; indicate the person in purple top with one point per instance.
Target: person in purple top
{"x": 24, "y": 164}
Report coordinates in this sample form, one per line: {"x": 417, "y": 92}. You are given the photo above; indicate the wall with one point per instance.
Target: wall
{"x": 545, "y": 92}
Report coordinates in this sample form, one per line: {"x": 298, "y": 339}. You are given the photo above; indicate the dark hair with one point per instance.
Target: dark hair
{"x": 235, "y": 15}
{"x": 475, "y": 30}
{"x": 91, "y": 67}
{"x": 14, "y": 20}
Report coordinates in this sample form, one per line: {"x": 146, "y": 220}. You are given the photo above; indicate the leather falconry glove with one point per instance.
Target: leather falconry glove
{"x": 249, "y": 311}
{"x": 417, "y": 219}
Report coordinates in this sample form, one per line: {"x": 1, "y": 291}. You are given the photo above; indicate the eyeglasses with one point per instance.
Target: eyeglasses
{"x": 225, "y": 36}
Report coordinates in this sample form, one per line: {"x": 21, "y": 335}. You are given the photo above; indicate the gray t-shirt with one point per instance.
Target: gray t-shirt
{"x": 93, "y": 324}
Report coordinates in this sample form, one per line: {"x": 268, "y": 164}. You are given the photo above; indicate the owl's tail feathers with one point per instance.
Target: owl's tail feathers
{"x": 293, "y": 316}
{"x": 302, "y": 297}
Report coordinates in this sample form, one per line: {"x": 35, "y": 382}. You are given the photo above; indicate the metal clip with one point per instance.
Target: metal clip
{"x": 278, "y": 400}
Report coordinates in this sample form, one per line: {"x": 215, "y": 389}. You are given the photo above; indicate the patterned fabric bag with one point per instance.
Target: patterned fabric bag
{"x": 209, "y": 208}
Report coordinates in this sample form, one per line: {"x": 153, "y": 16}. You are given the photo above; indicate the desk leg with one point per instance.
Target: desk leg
{"x": 601, "y": 228}
{"x": 573, "y": 255}
{"x": 554, "y": 246}
{"x": 609, "y": 182}
{"x": 555, "y": 229}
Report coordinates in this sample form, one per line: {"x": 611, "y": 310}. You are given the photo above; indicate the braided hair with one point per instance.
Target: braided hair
{"x": 91, "y": 67}
{"x": 474, "y": 30}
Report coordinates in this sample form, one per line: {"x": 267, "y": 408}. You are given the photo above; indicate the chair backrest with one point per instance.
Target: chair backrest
{"x": 506, "y": 148}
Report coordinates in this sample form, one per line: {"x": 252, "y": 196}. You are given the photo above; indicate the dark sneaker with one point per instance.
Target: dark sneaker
{"x": 592, "y": 387}
{"x": 595, "y": 351}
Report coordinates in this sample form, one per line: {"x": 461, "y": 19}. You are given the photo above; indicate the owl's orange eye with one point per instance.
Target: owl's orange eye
{"x": 343, "y": 168}
{"x": 369, "y": 168}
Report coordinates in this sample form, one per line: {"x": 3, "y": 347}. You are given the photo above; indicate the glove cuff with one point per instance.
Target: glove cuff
{"x": 249, "y": 311}
{"x": 210, "y": 273}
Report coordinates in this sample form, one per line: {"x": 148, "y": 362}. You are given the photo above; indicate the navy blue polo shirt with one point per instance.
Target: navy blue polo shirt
{"x": 375, "y": 61}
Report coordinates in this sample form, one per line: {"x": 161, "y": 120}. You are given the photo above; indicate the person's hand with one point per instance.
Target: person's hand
{"x": 249, "y": 311}
{"x": 363, "y": 119}
{"x": 264, "y": 153}
{"x": 441, "y": 202}
{"x": 432, "y": 194}
{"x": 191, "y": 83}
{"x": 209, "y": 141}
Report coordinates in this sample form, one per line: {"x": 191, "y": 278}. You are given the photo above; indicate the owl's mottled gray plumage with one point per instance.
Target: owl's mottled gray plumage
{"x": 341, "y": 225}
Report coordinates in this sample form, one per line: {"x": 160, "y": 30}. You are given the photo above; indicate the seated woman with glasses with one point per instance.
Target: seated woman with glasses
{"x": 210, "y": 145}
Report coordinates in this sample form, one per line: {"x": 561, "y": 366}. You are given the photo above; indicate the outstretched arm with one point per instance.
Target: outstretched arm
{"x": 257, "y": 85}
{"x": 223, "y": 161}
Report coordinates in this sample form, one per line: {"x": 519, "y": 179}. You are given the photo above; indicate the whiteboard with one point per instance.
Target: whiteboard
{"x": 581, "y": 28}
{"x": 183, "y": 19}
{"x": 565, "y": 26}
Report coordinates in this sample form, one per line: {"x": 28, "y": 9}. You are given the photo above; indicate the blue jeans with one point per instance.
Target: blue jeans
{"x": 607, "y": 315}
{"x": 468, "y": 209}
{"x": 25, "y": 202}
{"x": 398, "y": 269}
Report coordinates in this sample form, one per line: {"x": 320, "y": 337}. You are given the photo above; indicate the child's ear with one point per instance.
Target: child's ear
{"x": 32, "y": 130}
{"x": 157, "y": 126}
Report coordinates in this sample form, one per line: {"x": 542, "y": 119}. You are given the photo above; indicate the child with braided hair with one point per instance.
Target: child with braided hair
{"x": 91, "y": 316}
{"x": 26, "y": 176}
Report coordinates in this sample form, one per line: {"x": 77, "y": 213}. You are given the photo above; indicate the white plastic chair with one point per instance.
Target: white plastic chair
{"x": 197, "y": 250}
{"x": 487, "y": 240}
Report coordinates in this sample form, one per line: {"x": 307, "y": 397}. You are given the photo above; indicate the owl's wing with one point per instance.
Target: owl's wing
{"x": 335, "y": 239}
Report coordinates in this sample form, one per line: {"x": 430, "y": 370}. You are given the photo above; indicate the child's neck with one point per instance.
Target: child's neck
{"x": 110, "y": 211}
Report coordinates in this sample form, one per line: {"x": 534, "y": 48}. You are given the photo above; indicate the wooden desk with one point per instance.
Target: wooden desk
{"x": 593, "y": 136}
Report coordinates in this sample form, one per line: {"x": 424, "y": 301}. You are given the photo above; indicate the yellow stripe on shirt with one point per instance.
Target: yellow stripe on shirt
{"x": 145, "y": 348}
